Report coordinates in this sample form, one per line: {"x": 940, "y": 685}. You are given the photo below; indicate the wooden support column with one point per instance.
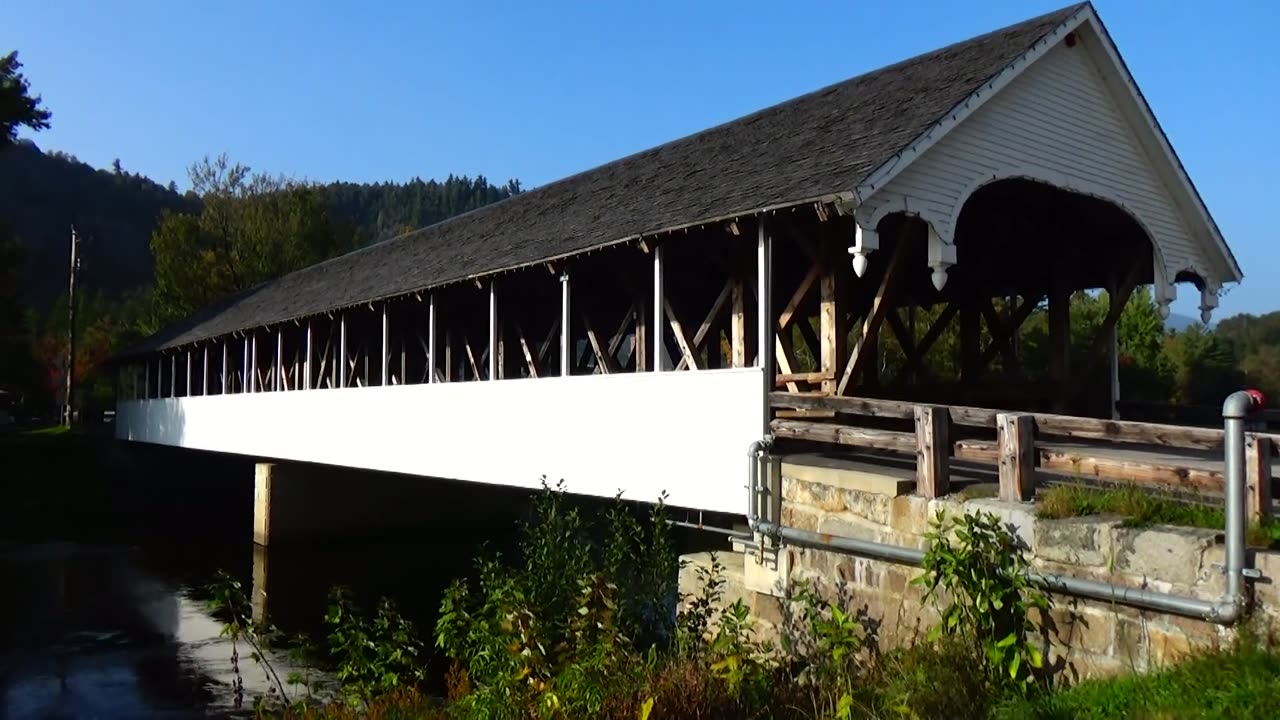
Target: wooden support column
{"x": 279, "y": 378}
{"x": 831, "y": 339}
{"x": 448, "y": 355}
{"x": 659, "y": 319}
{"x": 386, "y": 347}
{"x": 970, "y": 341}
{"x": 246, "y": 383}
{"x": 204, "y": 368}
{"x": 1016, "y": 446}
{"x": 765, "y": 322}
{"x": 933, "y": 451}
{"x": 431, "y": 338}
{"x": 1060, "y": 344}
{"x": 225, "y": 368}
{"x": 493, "y": 330}
{"x": 306, "y": 363}
{"x": 738, "y": 333}
{"x": 640, "y": 343}
{"x": 865, "y": 352}
{"x": 340, "y": 367}
{"x": 566, "y": 337}
{"x": 187, "y": 390}
{"x": 1114, "y": 395}
{"x": 1257, "y": 468}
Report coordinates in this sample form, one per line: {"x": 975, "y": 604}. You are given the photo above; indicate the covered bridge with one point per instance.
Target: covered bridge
{"x": 624, "y": 327}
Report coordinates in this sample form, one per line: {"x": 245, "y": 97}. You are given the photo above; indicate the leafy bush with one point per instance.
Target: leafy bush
{"x": 373, "y": 655}
{"x": 981, "y": 567}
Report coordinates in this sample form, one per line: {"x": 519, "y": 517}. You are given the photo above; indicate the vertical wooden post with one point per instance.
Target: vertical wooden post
{"x": 493, "y": 331}
{"x": 385, "y": 375}
{"x": 246, "y": 385}
{"x": 641, "y": 340}
{"x": 278, "y": 380}
{"x": 306, "y": 363}
{"x": 341, "y": 366}
{"x": 431, "y": 338}
{"x": 448, "y": 356}
{"x": 204, "y": 369}
{"x": 1060, "y": 344}
{"x": 187, "y": 390}
{"x": 566, "y": 337}
{"x": 970, "y": 341}
{"x": 1015, "y": 439}
{"x": 659, "y": 316}
{"x": 831, "y": 340}
{"x": 933, "y": 450}
{"x": 222, "y": 381}
{"x": 1114, "y": 343}
{"x": 1257, "y": 467}
{"x": 738, "y": 324}
{"x": 765, "y": 322}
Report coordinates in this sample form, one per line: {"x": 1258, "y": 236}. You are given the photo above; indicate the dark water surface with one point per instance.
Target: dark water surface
{"x": 113, "y": 623}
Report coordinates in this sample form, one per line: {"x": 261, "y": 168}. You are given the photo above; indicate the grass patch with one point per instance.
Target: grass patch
{"x": 1142, "y": 507}
{"x": 1240, "y": 683}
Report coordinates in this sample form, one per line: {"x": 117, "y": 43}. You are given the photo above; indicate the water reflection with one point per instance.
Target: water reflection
{"x": 93, "y": 632}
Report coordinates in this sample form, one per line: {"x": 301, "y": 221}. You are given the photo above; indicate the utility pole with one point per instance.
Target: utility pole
{"x": 69, "y": 408}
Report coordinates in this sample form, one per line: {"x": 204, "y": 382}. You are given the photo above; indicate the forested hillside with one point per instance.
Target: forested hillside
{"x": 116, "y": 211}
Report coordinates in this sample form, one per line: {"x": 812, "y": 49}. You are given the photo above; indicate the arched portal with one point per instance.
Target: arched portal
{"x": 1000, "y": 333}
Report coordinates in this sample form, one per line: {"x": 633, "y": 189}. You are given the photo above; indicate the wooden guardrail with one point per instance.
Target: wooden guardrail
{"x": 1019, "y": 445}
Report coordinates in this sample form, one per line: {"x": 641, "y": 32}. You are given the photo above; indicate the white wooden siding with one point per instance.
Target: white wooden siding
{"x": 1056, "y": 122}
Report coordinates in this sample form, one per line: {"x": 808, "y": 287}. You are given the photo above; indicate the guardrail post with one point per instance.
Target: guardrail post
{"x": 1257, "y": 466}
{"x": 1016, "y": 443}
{"x": 933, "y": 449}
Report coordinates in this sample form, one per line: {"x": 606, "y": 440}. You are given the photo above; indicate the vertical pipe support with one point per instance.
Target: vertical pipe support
{"x": 1234, "y": 411}
{"x": 659, "y": 311}
{"x": 173, "y": 375}
{"x": 244, "y": 374}
{"x": 204, "y": 369}
{"x": 253, "y": 363}
{"x": 566, "y": 342}
{"x": 223, "y": 380}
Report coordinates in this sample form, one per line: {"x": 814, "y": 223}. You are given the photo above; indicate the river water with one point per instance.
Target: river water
{"x": 118, "y": 626}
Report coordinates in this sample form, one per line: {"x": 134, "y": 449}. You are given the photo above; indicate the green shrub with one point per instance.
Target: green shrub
{"x": 979, "y": 564}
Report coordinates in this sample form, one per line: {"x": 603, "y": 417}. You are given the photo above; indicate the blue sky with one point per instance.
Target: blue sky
{"x": 538, "y": 90}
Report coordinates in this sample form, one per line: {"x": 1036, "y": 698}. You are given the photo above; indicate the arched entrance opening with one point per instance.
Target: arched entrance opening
{"x": 1028, "y": 314}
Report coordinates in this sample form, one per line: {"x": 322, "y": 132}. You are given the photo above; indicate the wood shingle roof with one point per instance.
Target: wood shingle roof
{"x": 811, "y": 147}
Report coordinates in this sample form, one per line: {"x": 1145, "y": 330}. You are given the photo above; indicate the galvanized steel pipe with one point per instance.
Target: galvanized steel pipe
{"x": 1224, "y": 611}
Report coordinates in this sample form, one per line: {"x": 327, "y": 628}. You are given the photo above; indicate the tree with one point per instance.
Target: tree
{"x": 18, "y": 107}
{"x": 252, "y": 228}
{"x": 1205, "y": 367}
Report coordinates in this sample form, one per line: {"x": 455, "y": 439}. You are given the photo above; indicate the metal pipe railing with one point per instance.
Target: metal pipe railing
{"x": 1225, "y": 610}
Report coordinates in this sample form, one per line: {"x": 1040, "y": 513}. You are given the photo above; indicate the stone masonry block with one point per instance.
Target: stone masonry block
{"x": 850, "y": 526}
{"x": 1163, "y": 553}
{"x": 1020, "y": 517}
{"x": 1075, "y": 541}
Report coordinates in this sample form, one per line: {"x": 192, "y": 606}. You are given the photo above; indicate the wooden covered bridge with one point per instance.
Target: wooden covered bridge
{"x": 638, "y": 325}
